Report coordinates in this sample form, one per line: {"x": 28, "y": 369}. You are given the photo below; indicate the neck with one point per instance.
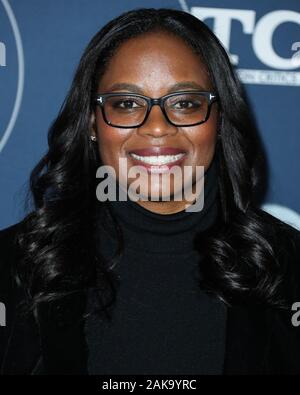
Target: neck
{"x": 173, "y": 206}
{"x": 173, "y": 233}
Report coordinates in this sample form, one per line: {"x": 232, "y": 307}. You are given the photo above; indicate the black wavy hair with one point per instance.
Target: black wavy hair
{"x": 242, "y": 261}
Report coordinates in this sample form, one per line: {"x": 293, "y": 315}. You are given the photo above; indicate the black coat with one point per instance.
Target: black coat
{"x": 258, "y": 340}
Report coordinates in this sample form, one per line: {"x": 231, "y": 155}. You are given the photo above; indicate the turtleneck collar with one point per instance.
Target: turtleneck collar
{"x": 167, "y": 233}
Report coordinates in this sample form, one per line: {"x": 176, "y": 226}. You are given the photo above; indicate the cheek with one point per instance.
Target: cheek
{"x": 110, "y": 143}
{"x": 203, "y": 140}
{"x": 109, "y": 146}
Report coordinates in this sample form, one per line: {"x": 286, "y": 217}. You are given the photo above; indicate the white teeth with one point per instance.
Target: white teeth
{"x": 158, "y": 160}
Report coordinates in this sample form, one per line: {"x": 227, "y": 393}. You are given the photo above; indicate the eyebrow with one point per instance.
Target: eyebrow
{"x": 136, "y": 89}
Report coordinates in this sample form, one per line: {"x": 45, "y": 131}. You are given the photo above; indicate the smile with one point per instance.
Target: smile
{"x": 158, "y": 160}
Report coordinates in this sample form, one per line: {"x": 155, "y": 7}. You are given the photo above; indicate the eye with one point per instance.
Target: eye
{"x": 126, "y": 103}
{"x": 185, "y": 102}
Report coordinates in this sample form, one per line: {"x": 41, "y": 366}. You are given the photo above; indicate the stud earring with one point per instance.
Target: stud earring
{"x": 93, "y": 138}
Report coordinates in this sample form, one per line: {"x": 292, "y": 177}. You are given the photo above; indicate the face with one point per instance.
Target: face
{"x": 154, "y": 64}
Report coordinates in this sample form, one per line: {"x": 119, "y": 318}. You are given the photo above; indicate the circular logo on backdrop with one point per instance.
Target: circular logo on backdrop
{"x": 11, "y": 71}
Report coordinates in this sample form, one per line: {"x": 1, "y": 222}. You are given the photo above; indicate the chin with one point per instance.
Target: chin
{"x": 157, "y": 192}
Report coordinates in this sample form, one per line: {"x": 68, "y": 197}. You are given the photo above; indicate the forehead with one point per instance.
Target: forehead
{"x": 154, "y": 61}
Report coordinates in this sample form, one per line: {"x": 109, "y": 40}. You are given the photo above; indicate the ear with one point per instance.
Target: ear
{"x": 93, "y": 130}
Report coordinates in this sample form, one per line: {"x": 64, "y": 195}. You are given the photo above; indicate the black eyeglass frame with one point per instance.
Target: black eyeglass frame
{"x": 101, "y": 97}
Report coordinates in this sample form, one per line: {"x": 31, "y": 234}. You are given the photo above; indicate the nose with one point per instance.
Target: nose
{"x": 156, "y": 124}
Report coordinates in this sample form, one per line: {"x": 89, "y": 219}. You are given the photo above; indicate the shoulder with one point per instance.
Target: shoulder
{"x": 283, "y": 234}
{"x": 9, "y": 256}
{"x": 284, "y": 324}
{"x": 8, "y": 245}
{"x": 285, "y": 244}
{"x": 19, "y": 345}
{"x": 8, "y": 235}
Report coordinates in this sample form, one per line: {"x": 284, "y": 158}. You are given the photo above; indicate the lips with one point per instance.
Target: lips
{"x": 155, "y": 151}
{"x": 157, "y": 159}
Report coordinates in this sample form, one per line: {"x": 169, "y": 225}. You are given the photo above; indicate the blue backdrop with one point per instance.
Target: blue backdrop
{"x": 40, "y": 46}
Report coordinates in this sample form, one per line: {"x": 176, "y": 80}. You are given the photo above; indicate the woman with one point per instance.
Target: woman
{"x": 149, "y": 286}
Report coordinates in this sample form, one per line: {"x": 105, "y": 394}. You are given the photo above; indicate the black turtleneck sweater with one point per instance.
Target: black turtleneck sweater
{"x": 161, "y": 321}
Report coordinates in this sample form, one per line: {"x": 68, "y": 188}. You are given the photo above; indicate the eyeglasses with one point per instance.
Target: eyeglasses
{"x": 131, "y": 110}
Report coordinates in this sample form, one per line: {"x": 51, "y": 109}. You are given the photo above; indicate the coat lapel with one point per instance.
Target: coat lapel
{"x": 62, "y": 336}
{"x": 65, "y": 351}
{"x": 258, "y": 341}
{"x": 246, "y": 341}
{"x": 21, "y": 340}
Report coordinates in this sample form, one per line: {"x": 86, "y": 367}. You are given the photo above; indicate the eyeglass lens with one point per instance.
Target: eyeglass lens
{"x": 131, "y": 110}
